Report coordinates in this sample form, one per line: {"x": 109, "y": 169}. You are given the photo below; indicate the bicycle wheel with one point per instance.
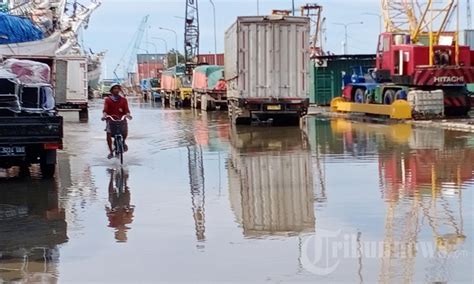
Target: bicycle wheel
{"x": 120, "y": 149}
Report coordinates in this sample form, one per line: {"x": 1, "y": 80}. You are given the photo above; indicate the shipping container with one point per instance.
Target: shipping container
{"x": 210, "y": 59}
{"x": 329, "y": 72}
{"x": 270, "y": 181}
{"x": 150, "y": 70}
{"x": 267, "y": 68}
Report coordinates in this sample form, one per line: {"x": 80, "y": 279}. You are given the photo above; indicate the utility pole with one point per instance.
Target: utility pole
{"x": 215, "y": 33}
{"x": 346, "y": 36}
{"x": 293, "y": 6}
{"x": 469, "y": 15}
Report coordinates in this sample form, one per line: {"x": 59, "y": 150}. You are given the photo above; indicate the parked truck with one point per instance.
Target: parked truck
{"x": 209, "y": 88}
{"x": 271, "y": 181}
{"x": 31, "y": 131}
{"x": 267, "y": 68}
{"x": 176, "y": 87}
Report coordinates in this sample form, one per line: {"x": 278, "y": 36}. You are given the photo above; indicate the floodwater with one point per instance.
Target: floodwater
{"x": 198, "y": 201}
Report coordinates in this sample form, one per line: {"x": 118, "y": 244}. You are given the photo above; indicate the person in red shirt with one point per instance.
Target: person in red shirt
{"x": 116, "y": 106}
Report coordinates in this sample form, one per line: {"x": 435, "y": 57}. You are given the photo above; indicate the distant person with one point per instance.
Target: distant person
{"x": 116, "y": 106}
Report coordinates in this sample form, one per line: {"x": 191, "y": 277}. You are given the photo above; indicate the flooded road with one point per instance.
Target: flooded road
{"x": 198, "y": 201}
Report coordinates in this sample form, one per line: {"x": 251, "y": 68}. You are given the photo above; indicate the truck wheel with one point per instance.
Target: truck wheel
{"x": 47, "y": 170}
{"x": 48, "y": 164}
{"x": 359, "y": 96}
{"x": 84, "y": 115}
{"x": 389, "y": 97}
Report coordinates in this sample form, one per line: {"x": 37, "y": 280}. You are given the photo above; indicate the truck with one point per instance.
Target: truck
{"x": 209, "y": 88}
{"x": 271, "y": 181}
{"x": 71, "y": 85}
{"x": 267, "y": 69}
{"x": 69, "y": 80}
{"x": 31, "y": 131}
{"x": 432, "y": 77}
{"x": 176, "y": 87}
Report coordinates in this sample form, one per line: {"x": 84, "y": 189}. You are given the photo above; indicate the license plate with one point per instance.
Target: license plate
{"x": 12, "y": 151}
{"x": 274, "y": 107}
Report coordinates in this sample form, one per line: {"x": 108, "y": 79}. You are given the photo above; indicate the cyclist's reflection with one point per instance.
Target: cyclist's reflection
{"x": 120, "y": 212}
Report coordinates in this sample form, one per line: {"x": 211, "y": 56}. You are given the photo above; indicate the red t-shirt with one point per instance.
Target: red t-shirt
{"x": 116, "y": 109}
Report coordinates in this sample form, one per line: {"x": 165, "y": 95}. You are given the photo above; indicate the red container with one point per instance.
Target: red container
{"x": 150, "y": 70}
{"x": 210, "y": 59}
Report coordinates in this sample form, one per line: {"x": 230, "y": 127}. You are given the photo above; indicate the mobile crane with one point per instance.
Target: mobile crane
{"x": 419, "y": 63}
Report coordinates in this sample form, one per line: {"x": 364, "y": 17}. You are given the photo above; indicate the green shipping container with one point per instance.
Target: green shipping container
{"x": 327, "y": 75}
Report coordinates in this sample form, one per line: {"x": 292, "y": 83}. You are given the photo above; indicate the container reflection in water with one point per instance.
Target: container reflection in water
{"x": 32, "y": 226}
{"x": 270, "y": 181}
{"x": 423, "y": 174}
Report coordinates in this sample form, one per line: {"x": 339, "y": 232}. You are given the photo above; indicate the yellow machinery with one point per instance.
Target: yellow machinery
{"x": 398, "y": 110}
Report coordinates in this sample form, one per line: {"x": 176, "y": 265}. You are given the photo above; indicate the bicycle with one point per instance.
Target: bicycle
{"x": 116, "y": 131}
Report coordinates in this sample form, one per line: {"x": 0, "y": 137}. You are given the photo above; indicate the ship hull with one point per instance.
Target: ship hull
{"x": 45, "y": 47}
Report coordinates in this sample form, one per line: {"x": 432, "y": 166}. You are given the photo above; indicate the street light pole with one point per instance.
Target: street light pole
{"x": 166, "y": 48}
{"x": 176, "y": 42}
{"x": 346, "y": 25}
{"x": 215, "y": 32}
{"x": 380, "y": 20}
{"x": 258, "y": 8}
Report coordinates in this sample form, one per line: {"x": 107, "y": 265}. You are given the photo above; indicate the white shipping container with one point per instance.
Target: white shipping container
{"x": 268, "y": 57}
{"x": 271, "y": 182}
{"x": 71, "y": 80}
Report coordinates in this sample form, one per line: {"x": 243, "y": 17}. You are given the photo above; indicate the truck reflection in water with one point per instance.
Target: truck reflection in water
{"x": 270, "y": 181}
{"x": 32, "y": 226}
{"x": 423, "y": 173}
{"x": 120, "y": 212}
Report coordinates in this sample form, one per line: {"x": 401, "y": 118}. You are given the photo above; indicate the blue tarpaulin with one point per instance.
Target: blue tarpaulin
{"x": 14, "y": 29}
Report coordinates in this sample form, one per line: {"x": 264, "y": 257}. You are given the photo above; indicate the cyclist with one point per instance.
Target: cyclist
{"x": 116, "y": 106}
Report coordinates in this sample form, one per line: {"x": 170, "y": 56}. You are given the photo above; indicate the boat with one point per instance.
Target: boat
{"x": 94, "y": 70}
{"x": 60, "y": 21}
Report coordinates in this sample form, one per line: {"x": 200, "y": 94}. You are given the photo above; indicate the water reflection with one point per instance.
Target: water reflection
{"x": 423, "y": 174}
{"x": 270, "y": 181}
{"x": 120, "y": 212}
{"x": 32, "y": 226}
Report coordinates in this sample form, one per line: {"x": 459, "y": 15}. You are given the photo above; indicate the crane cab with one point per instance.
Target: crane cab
{"x": 401, "y": 61}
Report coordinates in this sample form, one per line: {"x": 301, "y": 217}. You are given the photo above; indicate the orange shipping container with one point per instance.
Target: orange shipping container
{"x": 210, "y": 59}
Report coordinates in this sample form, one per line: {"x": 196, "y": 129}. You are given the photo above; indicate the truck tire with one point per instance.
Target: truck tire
{"x": 48, "y": 164}
{"x": 84, "y": 115}
{"x": 204, "y": 103}
{"x": 47, "y": 170}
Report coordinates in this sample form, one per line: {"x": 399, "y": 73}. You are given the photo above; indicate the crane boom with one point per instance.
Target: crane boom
{"x": 418, "y": 18}
{"x": 132, "y": 50}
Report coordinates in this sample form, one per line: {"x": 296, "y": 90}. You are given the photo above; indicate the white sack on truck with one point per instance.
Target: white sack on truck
{"x": 27, "y": 71}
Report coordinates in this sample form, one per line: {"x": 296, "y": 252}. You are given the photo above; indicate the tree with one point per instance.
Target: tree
{"x": 172, "y": 58}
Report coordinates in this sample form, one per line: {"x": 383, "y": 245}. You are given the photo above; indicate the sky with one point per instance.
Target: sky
{"x": 113, "y": 26}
